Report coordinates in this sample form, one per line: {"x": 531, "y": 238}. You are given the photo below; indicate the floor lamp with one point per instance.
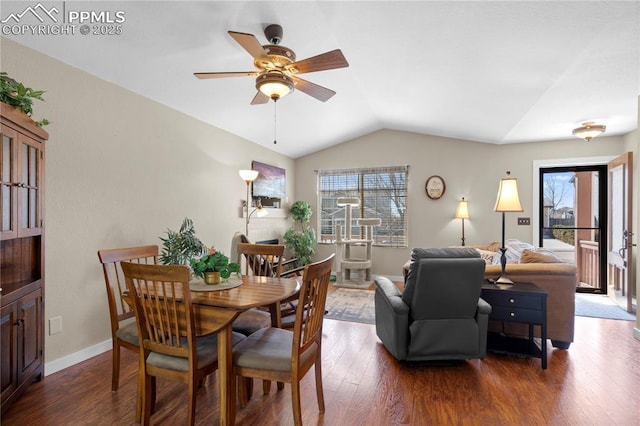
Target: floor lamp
{"x": 507, "y": 201}
{"x": 462, "y": 212}
{"x": 248, "y": 176}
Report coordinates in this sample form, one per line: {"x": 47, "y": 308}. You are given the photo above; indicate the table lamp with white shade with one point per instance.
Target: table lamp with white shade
{"x": 507, "y": 201}
{"x": 462, "y": 212}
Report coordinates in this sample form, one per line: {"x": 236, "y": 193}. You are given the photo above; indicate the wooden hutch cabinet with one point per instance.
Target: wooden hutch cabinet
{"x": 21, "y": 253}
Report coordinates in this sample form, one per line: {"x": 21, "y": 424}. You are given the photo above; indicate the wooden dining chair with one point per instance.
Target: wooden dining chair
{"x": 267, "y": 260}
{"x": 289, "y": 266}
{"x": 262, "y": 260}
{"x": 123, "y": 333}
{"x": 169, "y": 347}
{"x": 285, "y": 355}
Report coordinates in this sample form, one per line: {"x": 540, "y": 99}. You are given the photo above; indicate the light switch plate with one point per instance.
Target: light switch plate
{"x": 524, "y": 221}
{"x": 55, "y": 325}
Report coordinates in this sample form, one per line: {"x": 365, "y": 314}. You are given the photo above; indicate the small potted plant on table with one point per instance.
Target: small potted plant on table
{"x": 213, "y": 267}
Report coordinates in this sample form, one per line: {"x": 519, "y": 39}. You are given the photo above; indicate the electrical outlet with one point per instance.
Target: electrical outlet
{"x": 55, "y": 325}
{"x": 524, "y": 221}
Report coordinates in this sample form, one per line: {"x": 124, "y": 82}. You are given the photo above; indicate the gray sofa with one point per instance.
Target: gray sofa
{"x": 439, "y": 315}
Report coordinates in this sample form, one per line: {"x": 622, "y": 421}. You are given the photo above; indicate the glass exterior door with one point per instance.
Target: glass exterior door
{"x": 573, "y": 220}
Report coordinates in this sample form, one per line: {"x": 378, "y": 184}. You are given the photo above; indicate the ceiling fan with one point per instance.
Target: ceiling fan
{"x": 277, "y": 69}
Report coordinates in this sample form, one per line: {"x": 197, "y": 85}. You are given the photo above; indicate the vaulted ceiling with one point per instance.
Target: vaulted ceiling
{"x": 488, "y": 71}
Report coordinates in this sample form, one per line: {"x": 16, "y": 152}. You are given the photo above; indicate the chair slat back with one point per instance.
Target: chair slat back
{"x": 264, "y": 260}
{"x": 114, "y": 278}
{"x": 311, "y": 307}
{"x": 237, "y": 239}
{"x": 162, "y": 302}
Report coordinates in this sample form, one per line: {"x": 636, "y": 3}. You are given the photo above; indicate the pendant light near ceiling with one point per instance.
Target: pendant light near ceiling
{"x": 589, "y": 130}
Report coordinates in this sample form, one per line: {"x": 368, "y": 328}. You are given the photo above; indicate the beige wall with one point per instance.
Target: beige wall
{"x": 121, "y": 169}
{"x": 470, "y": 169}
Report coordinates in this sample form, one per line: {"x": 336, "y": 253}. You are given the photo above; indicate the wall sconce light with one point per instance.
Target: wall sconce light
{"x": 507, "y": 201}
{"x": 259, "y": 211}
{"x": 462, "y": 212}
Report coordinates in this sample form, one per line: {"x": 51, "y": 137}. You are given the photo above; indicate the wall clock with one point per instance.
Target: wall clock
{"x": 435, "y": 187}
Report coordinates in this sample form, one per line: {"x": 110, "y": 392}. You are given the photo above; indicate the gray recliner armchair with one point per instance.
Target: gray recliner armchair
{"x": 439, "y": 315}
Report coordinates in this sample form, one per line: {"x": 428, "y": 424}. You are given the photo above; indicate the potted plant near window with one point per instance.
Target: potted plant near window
{"x": 301, "y": 238}
{"x": 213, "y": 267}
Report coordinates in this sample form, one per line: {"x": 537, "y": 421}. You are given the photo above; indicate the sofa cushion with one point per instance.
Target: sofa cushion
{"x": 494, "y": 247}
{"x": 538, "y": 256}
{"x": 514, "y": 251}
{"x": 488, "y": 256}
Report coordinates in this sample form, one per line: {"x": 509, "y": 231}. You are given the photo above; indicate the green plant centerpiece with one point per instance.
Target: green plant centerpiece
{"x": 211, "y": 263}
{"x": 301, "y": 238}
{"x": 18, "y": 95}
{"x": 178, "y": 248}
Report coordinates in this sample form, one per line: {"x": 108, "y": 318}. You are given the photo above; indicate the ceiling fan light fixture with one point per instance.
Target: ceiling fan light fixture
{"x": 589, "y": 130}
{"x": 274, "y": 84}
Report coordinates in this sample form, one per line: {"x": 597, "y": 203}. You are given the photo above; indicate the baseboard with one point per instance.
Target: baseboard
{"x": 76, "y": 357}
{"x": 636, "y": 333}
{"x": 354, "y": 284}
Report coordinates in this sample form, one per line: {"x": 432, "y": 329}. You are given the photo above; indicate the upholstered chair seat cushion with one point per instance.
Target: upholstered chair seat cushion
{"x": 128, "y": 332}
{"x": 269, "y": 349}
{"x": 251, "y": 321}
{"x": 207, "y": 348}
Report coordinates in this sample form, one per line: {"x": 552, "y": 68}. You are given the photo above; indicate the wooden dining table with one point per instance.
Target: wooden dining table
{"x": 214, "y": 313}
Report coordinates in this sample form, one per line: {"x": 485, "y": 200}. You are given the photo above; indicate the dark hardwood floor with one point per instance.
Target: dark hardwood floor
{"x": 595, "y": 382}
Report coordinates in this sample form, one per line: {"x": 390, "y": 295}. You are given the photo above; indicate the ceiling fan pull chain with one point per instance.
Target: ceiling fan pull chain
{"x": 275, "y": 132}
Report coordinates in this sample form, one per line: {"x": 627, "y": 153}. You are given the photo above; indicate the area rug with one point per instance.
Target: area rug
{"x": 351, "y": 305}
{"x": 600, "y": 306}
{"x": 358, "y": 306}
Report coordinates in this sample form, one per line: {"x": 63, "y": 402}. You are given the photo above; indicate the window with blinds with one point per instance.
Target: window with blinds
{"x": 382, "y": 192}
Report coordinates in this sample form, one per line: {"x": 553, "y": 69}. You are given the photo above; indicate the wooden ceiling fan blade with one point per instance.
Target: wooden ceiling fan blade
{"x": 260, "y": 98}
{"x": 249, "y": 42}
{"x": 205, "y": 75}
{"x": 324, "y": 61}
{"x": 320, "y": 93}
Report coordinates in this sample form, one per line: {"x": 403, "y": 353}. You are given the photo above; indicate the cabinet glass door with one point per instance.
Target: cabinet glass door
{"x": 29, "y": 188}
{"x": 8, "y": 177}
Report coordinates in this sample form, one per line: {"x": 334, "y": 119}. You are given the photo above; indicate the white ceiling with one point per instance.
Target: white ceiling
{"x": 488, "y": 71}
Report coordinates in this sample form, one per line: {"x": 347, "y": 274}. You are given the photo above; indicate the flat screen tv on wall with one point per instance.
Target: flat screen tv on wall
{"x": 270, "y": 183}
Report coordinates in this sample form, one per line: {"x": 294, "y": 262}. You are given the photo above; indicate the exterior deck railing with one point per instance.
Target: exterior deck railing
{"x": 589, "y": 266}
